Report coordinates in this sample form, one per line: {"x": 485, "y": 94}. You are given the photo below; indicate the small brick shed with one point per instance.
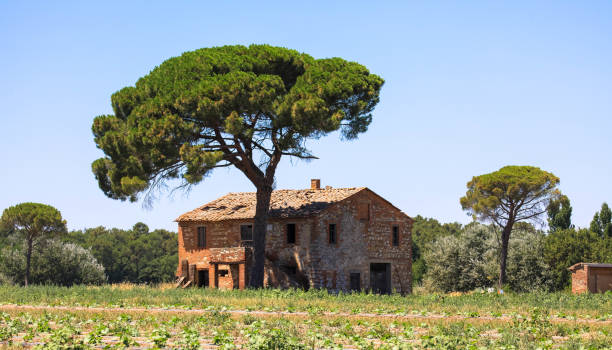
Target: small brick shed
{"x": 591, "y": 277}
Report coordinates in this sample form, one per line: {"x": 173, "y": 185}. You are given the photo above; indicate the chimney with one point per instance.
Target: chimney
{"x": 315, "y": 184}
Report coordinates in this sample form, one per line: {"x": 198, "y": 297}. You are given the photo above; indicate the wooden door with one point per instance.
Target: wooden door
{"x": 380, "y": 278}
{"x": 603, "y": 282}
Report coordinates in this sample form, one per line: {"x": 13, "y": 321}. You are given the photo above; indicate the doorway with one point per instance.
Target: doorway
{"x": 380, "y": 278}
{"x": 203, "y": 278}
{"x": 355, "y": 281}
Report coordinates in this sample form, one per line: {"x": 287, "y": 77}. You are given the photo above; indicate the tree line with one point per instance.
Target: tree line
{"x": 446, "y": 256}
{"x": 454, "y": 257}
{"x": 37, "y": 248}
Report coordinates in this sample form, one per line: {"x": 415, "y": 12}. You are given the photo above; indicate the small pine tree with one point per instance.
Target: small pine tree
{"x": 559, "y": 214}
{"x": 602, "y": 221}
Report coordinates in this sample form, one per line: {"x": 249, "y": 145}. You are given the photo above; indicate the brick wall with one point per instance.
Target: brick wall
{"x": 579, "y": 280}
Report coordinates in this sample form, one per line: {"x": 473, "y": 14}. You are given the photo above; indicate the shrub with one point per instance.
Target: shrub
{"x": 527, "y": 268}
{"x": 459, "y": 263}
{"x": 4, "y": 279}
{"x": 53, "y": 262}
{"x": 471, "y": 259}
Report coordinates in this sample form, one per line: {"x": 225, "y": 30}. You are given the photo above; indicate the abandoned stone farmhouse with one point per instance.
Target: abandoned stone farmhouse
{"x": 335, "y": 238}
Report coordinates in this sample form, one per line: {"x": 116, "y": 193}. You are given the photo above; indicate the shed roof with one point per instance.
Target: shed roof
{"x": 582, "y": 264}
{"x": 283, "y": 204}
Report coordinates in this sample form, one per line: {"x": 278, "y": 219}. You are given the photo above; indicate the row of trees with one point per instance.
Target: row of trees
{"x": 446, "y": 257}
{"x": 452, "y": 257}
{"x": 137, "y": 255}
{"x": 37, "y": 248}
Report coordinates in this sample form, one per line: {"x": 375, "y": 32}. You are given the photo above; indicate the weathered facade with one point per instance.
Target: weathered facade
{"x": 339, "y": 239}
{"x": 591, "y": 277}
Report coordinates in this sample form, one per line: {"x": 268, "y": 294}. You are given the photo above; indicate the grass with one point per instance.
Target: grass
{"x": 85, "y": 329}
{"x": 594, "y": 306}
{"x": 313, "y": 319}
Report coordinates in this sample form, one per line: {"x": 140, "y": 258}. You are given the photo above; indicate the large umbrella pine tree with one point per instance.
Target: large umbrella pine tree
{"x": 245, "y": 107}
{"x": 507, "y": 196}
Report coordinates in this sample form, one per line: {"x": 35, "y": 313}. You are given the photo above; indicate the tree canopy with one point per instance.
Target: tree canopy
{"x": 238, "y": 106}
{"x": 602, "y": 221}
{"x": 224, "y": 106}
{"x": 137, "y": 255}
{"x": 33, "y": 221}
{"x": 509, "y": 195}
{"x": 559, "y": 214}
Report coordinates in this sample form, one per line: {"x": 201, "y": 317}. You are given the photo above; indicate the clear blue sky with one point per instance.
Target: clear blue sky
{"x": 470, "y": 87}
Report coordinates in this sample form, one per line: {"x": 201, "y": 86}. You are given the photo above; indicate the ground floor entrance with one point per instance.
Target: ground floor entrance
{"x": 380, "y": 278}
{"x": 203, "y": 279}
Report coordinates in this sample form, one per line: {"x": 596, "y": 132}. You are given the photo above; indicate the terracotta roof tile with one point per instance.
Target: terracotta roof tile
{"x": 283, "y": 204}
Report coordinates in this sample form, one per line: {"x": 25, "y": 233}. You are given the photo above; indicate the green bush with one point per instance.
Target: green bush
{"x": 471, "y": 259}
{"x": 459, "y": 263}
{"x": 53, "y": 262}
{"x": 4, "y": 279}
{"x": 565, "y": 248}
{"x": 527, "y": 268}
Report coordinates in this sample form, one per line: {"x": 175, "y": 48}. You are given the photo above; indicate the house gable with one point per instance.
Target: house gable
{"x": 377, "y": 196}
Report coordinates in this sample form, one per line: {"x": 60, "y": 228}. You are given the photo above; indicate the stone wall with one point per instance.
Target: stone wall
{"x": 364, "y": 224}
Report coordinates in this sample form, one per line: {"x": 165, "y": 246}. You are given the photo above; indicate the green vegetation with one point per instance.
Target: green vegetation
{"x": 507, "y": 196}
{"x": 313, "y": 301}
{"x": 90, "y": 256}
{"x": 53, "y": 262}
{"x": 469, "y": 260}
{"x": 245, "y": 107}
{"x": 449, "y": 257}
{"x": 602, "y": 222}
{"x": 559, "y": 212}
{"x": 32, "y": 222}
{"x": 565, "y": 248}
{"x": 522, "y": 321}
{"x": 425, "y": 232}
{"x": 137, "y": 255}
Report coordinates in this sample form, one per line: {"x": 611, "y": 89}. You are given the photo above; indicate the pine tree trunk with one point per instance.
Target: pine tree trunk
{"x": 504, "y": 253}
{"x": 262, "y": 209}
{"x": 28, "y": 258}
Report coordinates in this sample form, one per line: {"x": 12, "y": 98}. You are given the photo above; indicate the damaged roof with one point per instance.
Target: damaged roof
{"x": 283, "y": 204}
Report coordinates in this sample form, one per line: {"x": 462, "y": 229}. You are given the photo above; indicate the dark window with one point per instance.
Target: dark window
{"x": 246, "y": 232}
{"x": 395, "y": 236}
{"x": 355, "y": 281}
{"x": 223, "y": 273}
{"x": 291, "y": 233}
{"x": 332, "y": 233}
{"x": 290, "y": 270}
{"x": 202, "y": 237}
